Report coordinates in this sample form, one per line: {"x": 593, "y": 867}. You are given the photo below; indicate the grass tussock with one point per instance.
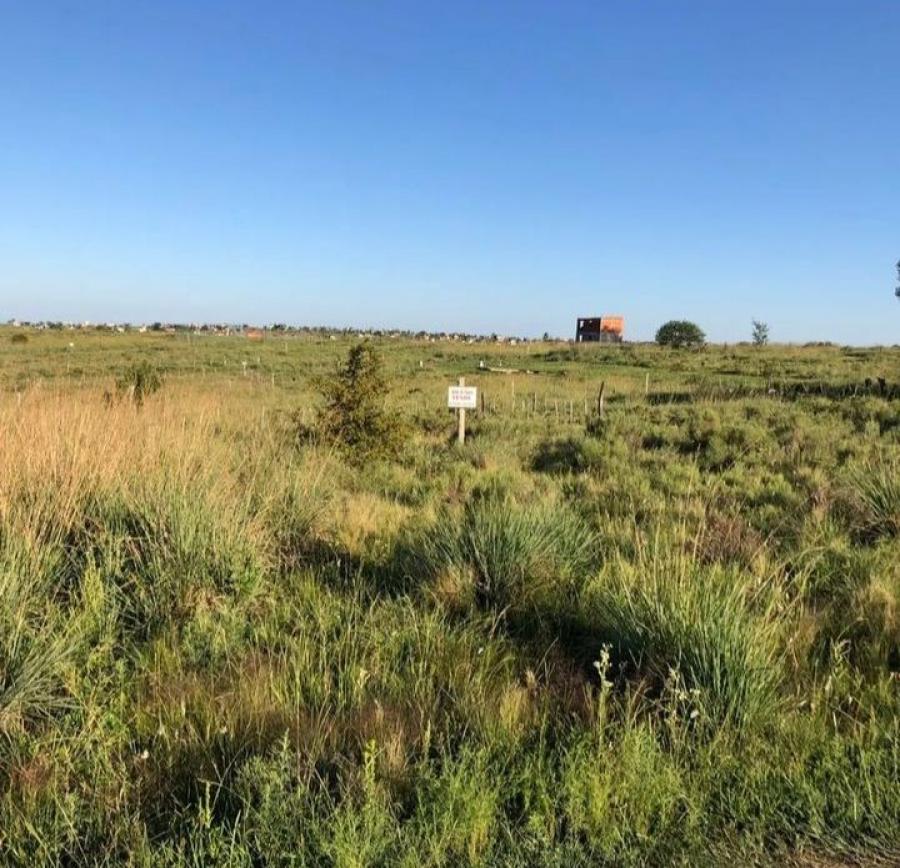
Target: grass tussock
{"x": 711, "y": 629}
{"x": 514, "y": 554}
{"x": 38, "y": 641}
{"x": 874, "y": 497}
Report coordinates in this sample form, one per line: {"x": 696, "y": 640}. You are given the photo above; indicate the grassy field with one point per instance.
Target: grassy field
{"x": 670, "y": 635}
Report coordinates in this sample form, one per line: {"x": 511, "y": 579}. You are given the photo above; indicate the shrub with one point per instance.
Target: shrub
{"x": 354, "y": 416}
{"x": 567, "y": 455}
{"x": 680, "y": 333}
{"x": 19, "y": 338}
{"x": 139, "y": 381}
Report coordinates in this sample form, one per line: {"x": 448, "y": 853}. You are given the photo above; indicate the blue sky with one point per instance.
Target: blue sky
{"x": 465, "y": 165}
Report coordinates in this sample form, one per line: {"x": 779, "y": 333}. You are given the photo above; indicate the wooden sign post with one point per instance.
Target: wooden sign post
{"x": 462, "y": 398}
{"x": 461, "y": 412}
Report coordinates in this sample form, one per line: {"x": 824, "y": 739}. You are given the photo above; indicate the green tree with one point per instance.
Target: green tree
{"x": 760, "y": 333}
{"x": 354, "y": 415}
{"x": 680, "y": 333}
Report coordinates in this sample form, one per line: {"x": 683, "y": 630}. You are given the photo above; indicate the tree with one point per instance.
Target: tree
{"x": 680, "y": 333}
{"x": 354, "y": 416}
{"x": 760, "y": 333}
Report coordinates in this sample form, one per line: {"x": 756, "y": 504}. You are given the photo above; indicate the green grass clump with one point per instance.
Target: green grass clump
{"x": 875, "y": 497}
{"x": 706, "y": 626}
{"x": 515, "y": 554}
{"x": 38, "y": 640}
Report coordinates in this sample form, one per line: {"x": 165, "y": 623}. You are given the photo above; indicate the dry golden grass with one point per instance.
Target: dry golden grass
{"x": 77, "y": 441}
{"x": 359, "y": 517}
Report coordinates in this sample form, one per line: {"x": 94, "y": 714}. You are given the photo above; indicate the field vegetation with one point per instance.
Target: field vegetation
{"x": 250, "y": 616}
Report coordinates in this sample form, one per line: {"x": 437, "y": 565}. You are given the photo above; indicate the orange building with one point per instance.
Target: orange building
{"x": 603, "y": 329}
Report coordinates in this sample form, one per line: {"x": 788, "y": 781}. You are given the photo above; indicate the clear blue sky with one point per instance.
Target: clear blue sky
{"x": 486, "y": 166}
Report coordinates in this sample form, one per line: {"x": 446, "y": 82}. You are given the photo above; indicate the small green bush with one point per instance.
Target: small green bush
{"x": 567, "y": 455}
{"x": 139, "y": 381}
{"x": 354, "y": 415}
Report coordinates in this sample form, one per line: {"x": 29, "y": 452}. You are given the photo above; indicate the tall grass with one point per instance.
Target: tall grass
{"x": 37, "y": 640}
{"x": 874, "y": 493}
{"x": 514, "y": 554}
{"x": 710, "y": 627}
{"x": 219, "y": 646}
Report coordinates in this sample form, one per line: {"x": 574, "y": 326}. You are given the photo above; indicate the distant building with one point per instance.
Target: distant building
{"x": 602, "y": 329}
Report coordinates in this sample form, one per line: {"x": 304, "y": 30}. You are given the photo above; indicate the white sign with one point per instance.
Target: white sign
{"x": 464, "y": 397}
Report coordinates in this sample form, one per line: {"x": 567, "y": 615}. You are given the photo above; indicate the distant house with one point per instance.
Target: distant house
{"x": 600, "y": 329}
